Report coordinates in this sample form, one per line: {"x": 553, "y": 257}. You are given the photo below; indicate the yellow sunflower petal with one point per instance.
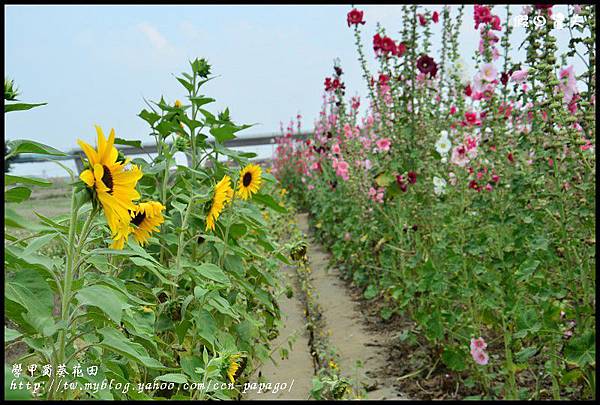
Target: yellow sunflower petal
{"x": 90, "y": 153}
{"x": 88, "y": 177}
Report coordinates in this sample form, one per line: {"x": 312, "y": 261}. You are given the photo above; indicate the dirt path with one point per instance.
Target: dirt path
{"x": 297, "y": 370}
{"x": 348, "y": 332}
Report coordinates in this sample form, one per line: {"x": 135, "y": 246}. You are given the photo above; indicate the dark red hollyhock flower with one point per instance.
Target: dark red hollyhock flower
{"x": 328, "y": 83}
{"x": 400, "y": 49}
{"x": 355, "y": 17}
{"x": 504, "y": 78}
{"x": 338, "y": 70}
{"x": 308, "y": 142}
{"x": 412, "y": 177}
{"x": 510, "y": 157}
{"x": 401, "y": 183}
{"x": 473, "y": 184}
{"x": 377, "y": 43}
{"x": 422, "y": 19}
{"x": 435, "y": 17}
{"x": 335, "y": 84}
{"x": 388, "y": 45}
{"x": 427, "y": 65}
{"x": 468, "y": 90}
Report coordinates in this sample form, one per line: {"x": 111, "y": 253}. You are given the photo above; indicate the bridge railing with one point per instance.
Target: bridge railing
{"x": 77, "y": 154}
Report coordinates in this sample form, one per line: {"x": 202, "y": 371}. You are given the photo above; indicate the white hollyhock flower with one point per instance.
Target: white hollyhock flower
{"x": 439, "y": 185}
{"x": 443, "y": 145}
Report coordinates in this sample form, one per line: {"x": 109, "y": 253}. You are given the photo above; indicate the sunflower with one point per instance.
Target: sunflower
{"x": 249, "y": 181}
{"x": 112, "y": 179}
{"x": 233, "y": 367}
{"x": 146, "y": 217}
{"x": 223, "y": 194}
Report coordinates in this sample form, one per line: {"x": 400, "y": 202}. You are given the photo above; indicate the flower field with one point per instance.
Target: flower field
{"x": 465, "y": 205}
{"x": 451, "y": 216}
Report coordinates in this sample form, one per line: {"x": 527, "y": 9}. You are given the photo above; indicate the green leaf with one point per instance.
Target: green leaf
{"x": 188, "y": 86}
{"x": 581, "y": 350}
{"x": 26, "y": 146}
{"x": 200, "y": 101}
{"x": 268, "y": 201}
{"x": 454, "y": 358}
{"x": 213, "y": 272}
{"x": 370, "y": 292}
{"x": 108, "y": 300}
{"x": 37, "y": 243}
{"x": 10, "y": 179}
{"x": 172, "y": 377}
{"x": 121, "y": 141}
{"x": 523, "y": 355}
{"x": 20, "y": 106}
{"x": 17, "y": 194}
{"x": 10, "y": 334}
{"x": 117, "y": 342}
{"x": 149, "y": 117}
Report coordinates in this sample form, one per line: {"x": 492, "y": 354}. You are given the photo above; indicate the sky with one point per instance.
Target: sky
{"x": 96, "y": 64}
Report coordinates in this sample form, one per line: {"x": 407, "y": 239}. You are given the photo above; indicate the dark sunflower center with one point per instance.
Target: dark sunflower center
{"x": 107, "y": 179}
{"x": 138, "y": 219}
{"x": 247, "y": 179}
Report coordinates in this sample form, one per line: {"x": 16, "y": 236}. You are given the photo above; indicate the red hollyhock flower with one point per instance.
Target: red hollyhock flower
{"x": 400, "y": 49}
{"x": 388, "y": 45}
{"x": 435, "y": 17}
{"x": 383, "y": 79}
{"x": 377, "y": 43}
{"x": 327, "y": 83}
{"x": 355, "y": 17}
{"x": 473, "y": 184}
{"x": 510, "y": 157}
{"x": 468, "y": 90}
{"x": 422, "y": 20}
{"x": 496, "y": 23}
{"x": 427, "y": 65}
{"x": 412, "y": 177}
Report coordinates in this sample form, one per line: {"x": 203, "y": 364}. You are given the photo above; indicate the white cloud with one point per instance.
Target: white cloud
{"x": 153, "y": 35}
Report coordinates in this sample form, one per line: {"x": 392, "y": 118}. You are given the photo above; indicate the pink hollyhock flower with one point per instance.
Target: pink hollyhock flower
{"x": 480, "y": 357}
{"x": 459, "y": 156}
{"x": 495, "y": 178}
{"x": 336, "y": 149}
{"x": 519, "y": 76}
{"x": 471, "y": 118}
{"x": 383, "y": 144}
{"x": 367, "y": 164}
{"x": 355, "y": 17}
{"x": 310, "y": 187}
{"x": 489, "y": 72}
{"x": 568, "y": 83}
{"x": 489, "y": 187}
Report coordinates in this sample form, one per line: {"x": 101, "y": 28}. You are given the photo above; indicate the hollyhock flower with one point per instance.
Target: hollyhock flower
{"x": 468, "y": 90}
{"x": 367, "y": 164}
{"x": 341, "y": 170}
{"x": 495, "y": 178}
{"x": 388, "y": 45}
{"x": 427, "y": 65}
{"x": 377, "y": 43}
{"x": 496, "y": 23}
{"x": 478, "y": 344}
{"x": 401, "y": 183}
{"x": 347, "y": 236}
{"x": 435, "y": 17}
{"x": 439, "y": 185}
{"x": 412, "y": 177}
{"x": 383, "y": 144}
{"x": 452, "y": 110}
{"x": 576, "y": 8}
{"x": 471, "y": 118}
{"x": 488, "y": 72}
{"x": 400, "y": 49}
{"x": 489, "y": 187}
{"x": 480, "y": 357}
{"x": 335, "y": 149}
{"x": 443, "y": 145}
{"x": 422, "y": 20}
{"x": 473, "y": 185}
{"x": 355, "y": 17}
{"x": 519, "y": 76}
{"x": 459, "y": 156}
{"x": 568, "y": 83}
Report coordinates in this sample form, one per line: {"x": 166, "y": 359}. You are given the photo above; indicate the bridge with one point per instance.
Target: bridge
{"x": 77, "y": 154}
